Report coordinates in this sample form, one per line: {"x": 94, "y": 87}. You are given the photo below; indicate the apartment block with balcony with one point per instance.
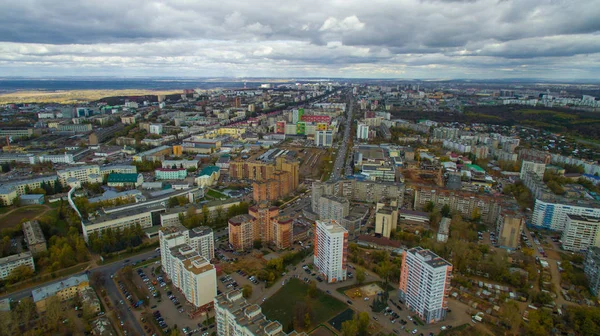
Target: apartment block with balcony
{"x": 425, "y": 284}
{"x": 581, "y": 233}
{"x": 331, "y": 250}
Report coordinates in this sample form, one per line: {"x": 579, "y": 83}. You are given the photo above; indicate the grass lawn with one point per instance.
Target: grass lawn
{"x": 215, "y": 194}
{"x": 284, "y": 304}
{"x": 26, "y": 212}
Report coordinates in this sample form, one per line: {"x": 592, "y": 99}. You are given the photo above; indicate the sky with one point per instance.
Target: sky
{"x": 421, "y": 39}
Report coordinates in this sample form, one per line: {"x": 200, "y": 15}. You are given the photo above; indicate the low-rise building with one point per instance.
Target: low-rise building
{"x": 133, "y": 180}
{"x": 444, "y": 230}
{"x": 8, "y": 264}
{"x": 236, "y": 317}
{"x": 34, "y": 237}
{"x": 32, "y": 199}
{"x": 208, "y": 176}
{"x": 83, "y": 174}
{"x": 64, "y": 290}
{"x": 170, "y": 174}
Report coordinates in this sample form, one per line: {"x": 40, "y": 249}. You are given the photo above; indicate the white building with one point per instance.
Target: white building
{"x": 58, "y": 158}
{"x": 324, "y": 138}
{"x": 331, "y": 250}
{"x": 530, "y": 166}
{"x": 553, "y": 216}
{"x": 200, "y": 238}
{"x": 156, "y": 129}
{"x": 444, "y": 230}
{"x": 192, "y": 274}
{"x": 180, "y": 164}
{"x": 236, "y": 317}
{"x": 581, "y": 233}
{"x": 362, "y": 132}
{"x": 8, "y": 264}
{"x": 425, "y": 284}
{"x": 333, "y": 207}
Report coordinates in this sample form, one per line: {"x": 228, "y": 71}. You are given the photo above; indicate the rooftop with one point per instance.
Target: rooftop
{"x": 122, "y": 178}
{"x": 429, "y": 257}
{"x": 239, "y": 219}
{"x": 51, "y": 290}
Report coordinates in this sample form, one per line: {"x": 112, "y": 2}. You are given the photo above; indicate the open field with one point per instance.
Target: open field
{"x": 216, "y": 194}
{"x": 72, "y": 96}
{"x": 15, "y": 217}
{"x": 292, "y": 299}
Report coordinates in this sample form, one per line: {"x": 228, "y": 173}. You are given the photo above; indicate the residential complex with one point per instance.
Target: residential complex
{"x": 262, "y": 223}
{"x": 185, "y": 256}
{"x": 553, "y": 215}
{"x": 425, "y": 284}
{"x": 333, "y": 207}
{"x": 8, "y": 264}
{"x": 271, "y": 181}
{"x": 331, "y": 250}
{"x": 581, "y": 232}
{"x": 535, "y": 167}
{"x": 83, "y": 174}
{"x": 64, "y": 290}
{"x": 236, "y": 317}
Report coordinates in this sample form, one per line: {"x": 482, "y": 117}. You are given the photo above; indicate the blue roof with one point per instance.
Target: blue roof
{"x": 32, "y": 196}
{"x": 597, "y": 178}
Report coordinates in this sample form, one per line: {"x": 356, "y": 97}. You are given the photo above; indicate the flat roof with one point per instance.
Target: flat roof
{"x": 51, "y": 290}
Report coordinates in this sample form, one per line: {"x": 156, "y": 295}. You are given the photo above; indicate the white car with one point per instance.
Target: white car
{"x": 414, "y": 331}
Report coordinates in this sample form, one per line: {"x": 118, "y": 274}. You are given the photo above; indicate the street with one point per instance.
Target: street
{"x": 341, "y": 156}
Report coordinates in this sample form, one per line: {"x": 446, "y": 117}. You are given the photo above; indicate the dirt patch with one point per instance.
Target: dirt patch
{"x": 552, "y": 254}
{"x": 17, "y": 216}
{"x": 250, "y": 264}
{"x": 364, "y": 291}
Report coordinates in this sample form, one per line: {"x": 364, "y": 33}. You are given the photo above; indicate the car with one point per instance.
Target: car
{"x": 366, "y": 299}
{"x": 414, "y": 331}
{"x": 349, "y": 302}
{"x": 375, "y": 318}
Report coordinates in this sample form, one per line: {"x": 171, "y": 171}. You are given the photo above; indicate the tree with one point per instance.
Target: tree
{"x": 445, "y": 210}
{"x": 20, "y": 273}
{"x": 349, "y": 328}
{"x": 476, "y": 216}
{"x": 54, "y": 312}
{"x": 360, "y": 275}
{"x": 257, "y": 244}
{"x": 25, "y": 310}
{"x": 312, "y": 290}
{"x": 511, "y": 316}
{"x": 247, "y": 291}
{"x": 429, "y": 206}
{"x": 307, "y": 320}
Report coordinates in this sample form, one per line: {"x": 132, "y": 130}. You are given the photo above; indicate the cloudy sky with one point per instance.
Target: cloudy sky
{"x": 553, "y": 39}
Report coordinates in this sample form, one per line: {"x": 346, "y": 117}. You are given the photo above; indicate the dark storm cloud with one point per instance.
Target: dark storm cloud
{"x": 252, "y": 37}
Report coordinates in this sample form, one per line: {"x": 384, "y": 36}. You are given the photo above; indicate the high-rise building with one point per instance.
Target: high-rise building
{"x": 185, "y": 256}
{"x": 264, "y": 216}
{"x": 331, "y": 250}
{"x": 362, "y": 132}
{"x": 236, "y": 317}
{"x": 283, "y": 232}
{"x": 280, "y": 178}
{"x": 552, "y": 214}
{"x": 324, "y": 138}
{"x": 581, "y": 232}
{"x": 530, "y": 166}
{"x": 333, "y": 207}
{"x": 425, "y": 284}
{"x": 242, "y": 233}
{"x": 591, "y": 268}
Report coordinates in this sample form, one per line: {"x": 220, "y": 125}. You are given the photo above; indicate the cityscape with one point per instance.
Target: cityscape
{"x": 310, "y": 169}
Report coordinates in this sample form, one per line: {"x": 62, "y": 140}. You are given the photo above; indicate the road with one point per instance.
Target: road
{"x": 341, "y": 155}
{"x": 105, "y": 271}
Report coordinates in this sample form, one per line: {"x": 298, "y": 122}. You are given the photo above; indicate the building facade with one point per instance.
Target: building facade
{"x": 591, "y": 268}
{"x": 553, "y": 215}
{"x": 508, "y": 228}
{"x": 581, "y": 233}
{"x": 8, "y": 264}
{"x": 34, "y": 237}
{"x": 331, "y": 250}
{"x": 170, "y": 174}
{"x": 242, "y": 233}
{"x": 425, "y": 284}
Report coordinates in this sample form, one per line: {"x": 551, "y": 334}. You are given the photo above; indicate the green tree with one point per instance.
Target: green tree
{"x": 429, "y": 206}
{"x": 360, "y": 275}
{"x": 20, "y": 273}
{"x": 247, "y": 291}
{"x": 257, "y": 244}
{"x": 445, "y": 210}
{"x": 307, "y": 320}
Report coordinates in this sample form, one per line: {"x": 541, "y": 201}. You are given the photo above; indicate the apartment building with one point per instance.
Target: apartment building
{"x": 264, "y": 171}
{"x": 333, "y": 207}
{"x": 83, "y": 174}
{"x": 425, "y": 284}
{"x": 119, "y": 169}
{"x": 64, "y": 290}
{"x": 200, "y": 239}
{"x": 466, "y": 203}
{"x": 193, "y": 275}
{"x": 34, "y": 237}
{"x": 264, "y": 216}
{"x": 242, "y": 233}
{"x": 283, "y": 232}
{"x": 231, "y": 131}
{"x": 591, "y": 268}
{"x": 355, "y": 190}
{"x": 23, "y": 185}
{"x": 8, "y": 195}
{"x": 362, "y": 132}
{"x": 552, "y": 214}
{"x": 236, "y": 317}
{"x": 16, "y": 133}
{"x": 581, "y": 233}
{"x": 324, "y": 138}
{"x": 536, "y": 168}
{"x": 331, "y": 250}
{"x": 508, "y": 228}
{"x": 102, "y": 134}
{"x": 8, "y": 264}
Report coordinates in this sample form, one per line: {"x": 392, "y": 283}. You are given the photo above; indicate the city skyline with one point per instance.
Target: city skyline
{"x": 434, "y": 39}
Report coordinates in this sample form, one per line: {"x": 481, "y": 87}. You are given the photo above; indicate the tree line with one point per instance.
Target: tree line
{"x": 112, "y": 240}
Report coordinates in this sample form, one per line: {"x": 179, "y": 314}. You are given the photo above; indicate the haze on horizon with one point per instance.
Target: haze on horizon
{"x": 471, "y": 39}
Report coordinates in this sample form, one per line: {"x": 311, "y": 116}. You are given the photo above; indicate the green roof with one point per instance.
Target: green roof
{"x": 122, "y": 178}
{"x": 475, "y": 168}
{"x": 209, "y": 170}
